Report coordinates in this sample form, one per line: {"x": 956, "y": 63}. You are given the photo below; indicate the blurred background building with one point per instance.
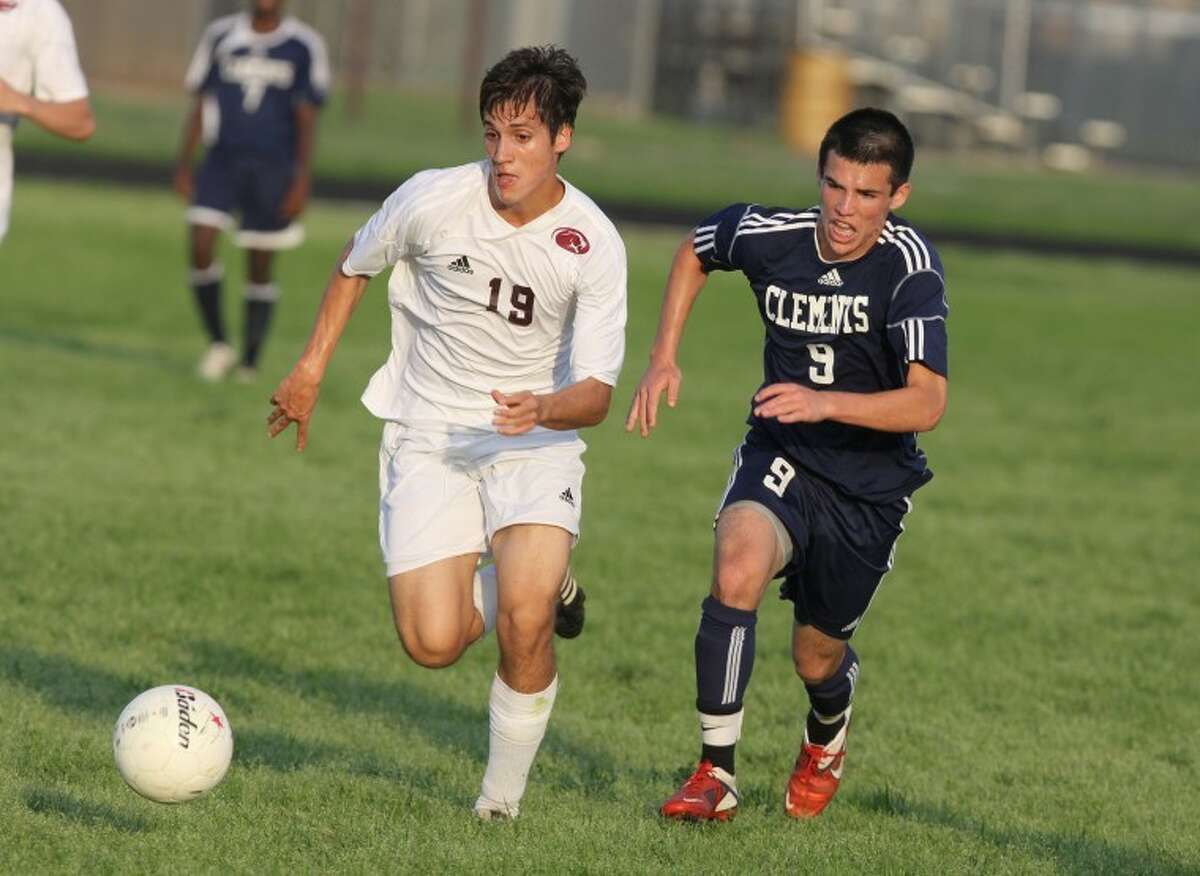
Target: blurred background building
{"x": 1067, "y": 80}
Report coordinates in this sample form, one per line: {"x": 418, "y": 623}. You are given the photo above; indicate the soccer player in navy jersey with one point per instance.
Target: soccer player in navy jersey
{"x": 854, "y": 306}
{"x": 258, "y": 78}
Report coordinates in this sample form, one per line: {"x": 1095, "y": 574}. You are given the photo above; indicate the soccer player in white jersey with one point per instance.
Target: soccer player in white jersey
{"x": 508, "y": 312}
{"x": 40, "y": 80}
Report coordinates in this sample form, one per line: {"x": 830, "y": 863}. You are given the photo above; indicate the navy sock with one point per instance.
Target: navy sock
{"x": 720, "y": 756}
{"x": 208, "y": 300}
{"x": 830, "y": 698}
{"x": 258, "y": 320}
{"x": 724, "y": 662}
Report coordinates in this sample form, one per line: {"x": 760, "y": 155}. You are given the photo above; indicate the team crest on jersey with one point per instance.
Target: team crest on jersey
{"x": 571, "y": 240}
{"x": 256, "y": 73}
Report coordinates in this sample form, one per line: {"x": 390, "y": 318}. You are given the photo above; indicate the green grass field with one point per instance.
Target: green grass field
{"x": 696, "y": 167}
{"x": 1029, "y": 697}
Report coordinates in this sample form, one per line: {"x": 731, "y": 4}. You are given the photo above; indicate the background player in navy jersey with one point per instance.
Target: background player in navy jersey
{"x": 853, "y": 302}
{"x": 258, "y": 80}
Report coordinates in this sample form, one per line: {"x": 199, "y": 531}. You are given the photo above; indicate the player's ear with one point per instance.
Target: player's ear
{"x": 562, "y": 140}
{"x": 899, "y": 196}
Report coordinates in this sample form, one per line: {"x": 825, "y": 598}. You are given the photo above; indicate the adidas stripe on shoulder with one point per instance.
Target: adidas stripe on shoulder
{"x": 757, "y": 221}
{"x": 912, "y": 248}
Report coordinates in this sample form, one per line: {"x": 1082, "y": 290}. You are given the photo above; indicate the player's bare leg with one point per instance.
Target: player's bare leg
{"x": 531, "y": 562}
{"x": 829, "y": 668}
{"x": 261, "y": 295}
{"x": 749, "y": 550}
{"x": 206, "y": 276}
{"x": 434, "y": 610}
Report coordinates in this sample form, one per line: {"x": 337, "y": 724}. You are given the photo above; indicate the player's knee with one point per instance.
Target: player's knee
{"x": 736, "y": 584}
{"x": 431, "y": 648}
{"x": 816, "y": 663}
{"x": 525, "y": 628}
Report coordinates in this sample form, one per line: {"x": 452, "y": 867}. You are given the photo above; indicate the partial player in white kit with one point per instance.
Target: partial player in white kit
{"x": 508, "y": 313}
{"x": 40, "y": 80}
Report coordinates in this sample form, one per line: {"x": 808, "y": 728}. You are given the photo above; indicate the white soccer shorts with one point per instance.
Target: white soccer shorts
{"x": 443, "y": 502}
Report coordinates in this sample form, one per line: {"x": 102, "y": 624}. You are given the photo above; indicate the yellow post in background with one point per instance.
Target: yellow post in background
{"x": 816, "y": 93}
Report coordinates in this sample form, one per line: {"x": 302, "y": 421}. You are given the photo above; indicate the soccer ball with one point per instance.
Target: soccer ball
{"x": 172, "y": 743}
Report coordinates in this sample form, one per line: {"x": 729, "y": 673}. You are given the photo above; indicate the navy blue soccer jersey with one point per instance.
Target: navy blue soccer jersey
{"x": 852, "y": 326}
{"x": 253, "y": 81}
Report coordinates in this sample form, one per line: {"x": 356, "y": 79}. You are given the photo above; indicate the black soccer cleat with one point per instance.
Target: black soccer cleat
{"x": 569, "y": 616}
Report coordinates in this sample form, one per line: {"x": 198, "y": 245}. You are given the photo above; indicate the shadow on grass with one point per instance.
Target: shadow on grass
{"x": 279, "y": 750}
{"x": 442, "y": 721}
{"x": 56, "y": 803}
{"x": 91, "y": 349}
{"x": 68, "y": 684}
{"x": 1071, "y": 853}
{"x": 460, "y": 730}
{"x": 98, "y": 694}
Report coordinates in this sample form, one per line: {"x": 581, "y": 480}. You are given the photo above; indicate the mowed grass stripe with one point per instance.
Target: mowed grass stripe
{"x": 1027, "y": 694}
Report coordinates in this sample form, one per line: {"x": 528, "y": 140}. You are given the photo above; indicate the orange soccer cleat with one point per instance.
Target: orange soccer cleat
{"x": 816, "y": 776}
{"x": 708, "y": 795}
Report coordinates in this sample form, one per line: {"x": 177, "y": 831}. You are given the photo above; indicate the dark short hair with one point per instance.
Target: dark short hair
{"x": 870, "y": 136}
{"x": 547, "y": 75}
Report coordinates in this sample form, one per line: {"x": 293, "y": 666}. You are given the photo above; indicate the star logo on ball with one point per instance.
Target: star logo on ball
{"x": 217, "y": 720}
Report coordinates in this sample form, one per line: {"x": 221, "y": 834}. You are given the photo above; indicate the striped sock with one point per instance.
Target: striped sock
{"x": 830, "y": 700}
{"x": 568, "y": 588}
{"x": 724, "y": 662}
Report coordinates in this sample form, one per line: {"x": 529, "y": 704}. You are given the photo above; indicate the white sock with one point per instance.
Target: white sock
{"x": 484, "y": 596}
{"x": 517, "y": 724}
{"x": 721, "y": 729}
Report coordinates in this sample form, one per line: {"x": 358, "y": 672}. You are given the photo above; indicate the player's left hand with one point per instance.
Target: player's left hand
{"x": 791, "y": 403}
{"x": 516, "y": 413}
{"x": 296, "y": 198}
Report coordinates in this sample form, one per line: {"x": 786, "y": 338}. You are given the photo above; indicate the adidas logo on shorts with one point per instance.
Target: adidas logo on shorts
{"x": 461, "y": 265}
{"x": 567, "y": 497}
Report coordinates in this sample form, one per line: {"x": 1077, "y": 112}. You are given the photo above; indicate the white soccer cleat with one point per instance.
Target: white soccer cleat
{"x": 216, "y": 362}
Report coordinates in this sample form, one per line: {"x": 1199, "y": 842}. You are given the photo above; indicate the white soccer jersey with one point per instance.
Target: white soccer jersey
{"x": 478, "y": 304}
{"x": 37, "y": 56}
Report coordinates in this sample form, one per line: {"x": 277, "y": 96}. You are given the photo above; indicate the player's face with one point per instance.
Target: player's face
{"x": 524, "y": 179}
{"x": 855, "y": 200}
{"x": 267, "y": 7}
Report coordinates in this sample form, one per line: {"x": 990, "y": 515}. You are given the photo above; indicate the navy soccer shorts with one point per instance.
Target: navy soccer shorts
{"x": 252, "y": 187}
{"x": 841, "y": 547}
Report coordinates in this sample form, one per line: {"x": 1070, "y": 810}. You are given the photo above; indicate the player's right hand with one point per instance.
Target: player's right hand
{"x": 294, "y": 400}
{"x": 643, "y": 411}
